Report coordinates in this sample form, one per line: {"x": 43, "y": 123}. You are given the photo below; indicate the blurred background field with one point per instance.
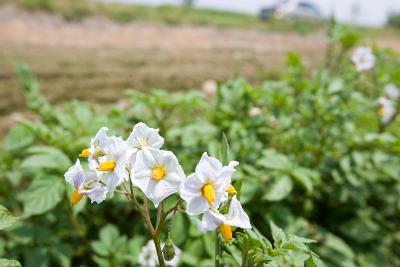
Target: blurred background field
{"x": 94, "y": 51}
{"x": 319, "y": 155}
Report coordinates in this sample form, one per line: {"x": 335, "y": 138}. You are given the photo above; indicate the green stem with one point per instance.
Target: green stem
{"x": 217, "y": 249}
{"x": 156, "y": 241}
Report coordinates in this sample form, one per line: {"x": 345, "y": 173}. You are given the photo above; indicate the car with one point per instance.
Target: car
{"x": 291, "y": 9}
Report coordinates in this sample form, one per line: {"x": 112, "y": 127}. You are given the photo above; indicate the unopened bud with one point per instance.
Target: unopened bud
{"x": 168, "y": 249}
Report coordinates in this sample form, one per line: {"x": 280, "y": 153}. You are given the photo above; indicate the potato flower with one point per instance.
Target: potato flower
{"x": 157, "y": 173}
{"x": 236, "y": 216}
{"x": 143, "y": 137}
{"x": 148, "y": 256}
{"x": 363, "y": 58}
{"x": 113, "y": 163}
{"x": 85, "y": 183}
{"x": 205, "y": 188}
{"x": 386, "y": 109}
{"x": 97, "y": 148}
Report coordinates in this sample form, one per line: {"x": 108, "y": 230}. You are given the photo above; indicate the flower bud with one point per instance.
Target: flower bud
{"x": 168, "y": 249}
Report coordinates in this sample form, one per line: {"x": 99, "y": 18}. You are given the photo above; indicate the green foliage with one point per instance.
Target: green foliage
{"x": 6, "y": 218}
{"x": 394, "y": 20}
{"x": 315, "y": 159}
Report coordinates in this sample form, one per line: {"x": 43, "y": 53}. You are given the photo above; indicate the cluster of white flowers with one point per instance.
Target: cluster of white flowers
{"x": 387, "y": 103}
{"x": 158, "y": 174}
{"x": 363, "y": 58}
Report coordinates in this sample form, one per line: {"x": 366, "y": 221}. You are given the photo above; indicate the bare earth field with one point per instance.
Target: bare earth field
{"x": 97, "y": 59}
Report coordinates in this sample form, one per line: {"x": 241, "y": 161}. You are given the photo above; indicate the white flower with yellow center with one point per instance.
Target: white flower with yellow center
{"x": 148, "y": 256}
{"x": 206, "y": 187}
{"x": 386, "y": 109}
{"x": 143, "y": 137}
{"x": 97, "y": 148}
{"x": 113, "y": 163}
{"x": 363, "y": 58}
{"x": 236, "y": 216}
{"x": 157, "y": 173}
{"x": 85, "y": 183}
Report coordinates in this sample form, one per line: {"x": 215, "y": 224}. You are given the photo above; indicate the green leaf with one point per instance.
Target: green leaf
{"x": 6, "y": 218}
{"x": 279, "y": 190}
{"x": 9, "y": 263}
{"x": 47, "y": 158}
{"x": 275, "y": 161}
{"x": 310, "y": 262}
{"x": 225, "y": 150}
{"x": 304, "y": 177}
{"x": 19, "y": 137}
{"x": 277, "y": 234}
{"x": 43, "y": 194}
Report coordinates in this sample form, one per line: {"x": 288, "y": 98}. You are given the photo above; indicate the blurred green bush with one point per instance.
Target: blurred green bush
{"x": 314, "y": 158}
{"x": 394, "y": 20}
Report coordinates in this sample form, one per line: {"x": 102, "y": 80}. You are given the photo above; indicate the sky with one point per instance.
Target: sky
{"x": 361, "y": 12}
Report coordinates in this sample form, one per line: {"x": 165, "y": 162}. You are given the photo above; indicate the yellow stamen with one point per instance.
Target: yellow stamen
{"x": 381, "y": 111}
{"x": 107, "y": 166}
{"x": 84, "y": 153}
{"x": 231, "y": 190}
{"x": 226, "y": 231}
{"x": 75, "y": 197}
{"x": 208, "y": 192}
{"x": 158, "y": 172}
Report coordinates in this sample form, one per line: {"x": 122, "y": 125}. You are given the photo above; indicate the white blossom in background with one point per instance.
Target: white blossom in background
{"x": 255, "y": 111}
{"x": 392, "y": 91}
{"x": 148, "y": 256}
{"x": 157, "y": 173}
{"x": 206, "y": 187}
{"x": 386, "y": 109}
{"x": 363, "y": 58}
{"x": 113, "y": 163}
{"x": 143, "y": 137}
{"x": 236, "y": 216}
{"x": 85, "y": 183}
{"x": 210, "y": 88}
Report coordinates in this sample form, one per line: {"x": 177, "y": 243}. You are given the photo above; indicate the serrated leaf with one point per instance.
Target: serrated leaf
{"x": 43, "y": 194}
{"x": 6, "y": 218}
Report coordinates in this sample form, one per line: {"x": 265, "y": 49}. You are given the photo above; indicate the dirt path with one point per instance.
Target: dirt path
{"x": 97, "y": 59}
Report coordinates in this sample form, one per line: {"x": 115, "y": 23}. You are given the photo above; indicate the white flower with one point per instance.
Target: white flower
{"x": 255, "y": 111}
{"x": 148, "y": 256}
{"x": 386, "y": 109}
{"x": 205, "y": 188}
{"x": 85, "y": 183}
{"x": 392, "y": 91}
{"x": 113, "y": 163}
{"x": 143, "y": 137}
{"x": 97, "y": 148}
{"x": 157, "y": 173}
{"x": 363, "y": 58}
{"x": 236, "y": 216}
{"x": 210, "y": 88}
